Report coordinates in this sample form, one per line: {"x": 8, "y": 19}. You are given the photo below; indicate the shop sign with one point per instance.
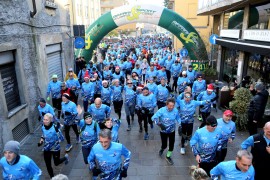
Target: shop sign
{"x": 50, "y": 4}
{"x": 257, "y": 35}
{"x": 229, "y": 33}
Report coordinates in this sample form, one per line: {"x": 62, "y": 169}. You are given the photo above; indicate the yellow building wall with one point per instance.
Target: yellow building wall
{"x": 203, "y": 24}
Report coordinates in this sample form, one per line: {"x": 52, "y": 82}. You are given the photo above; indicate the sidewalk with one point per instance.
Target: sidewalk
{"x": 145, "y": 163}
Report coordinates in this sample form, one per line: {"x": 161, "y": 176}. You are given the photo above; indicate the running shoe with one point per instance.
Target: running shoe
{"x": 129, "y": 128}
{"x": 169, "y": 160}
{"x": 160, "y": 152}
{"x": 183, "y": 151}
{"x": 68, "y": 147}
{"x": 146, "y": 136}
{"x": 67, "y": 159}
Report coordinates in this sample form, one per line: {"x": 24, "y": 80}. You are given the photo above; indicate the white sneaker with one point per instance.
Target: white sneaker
{"x": 183, "y": 151}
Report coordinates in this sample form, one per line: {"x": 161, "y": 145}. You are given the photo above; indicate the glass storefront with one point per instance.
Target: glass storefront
{"x": 230, "y": 64}
{"x": 259, "y": 68}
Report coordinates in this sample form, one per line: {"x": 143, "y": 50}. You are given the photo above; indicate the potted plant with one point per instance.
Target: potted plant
{"x": 210, "y": 74}
{"x": 239, "y": 105}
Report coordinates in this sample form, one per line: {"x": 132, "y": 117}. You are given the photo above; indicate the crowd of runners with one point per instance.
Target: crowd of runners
{"x": 156, "y": 86}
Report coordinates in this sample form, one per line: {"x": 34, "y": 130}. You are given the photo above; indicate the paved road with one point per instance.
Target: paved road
{"x": 145, "y": 163}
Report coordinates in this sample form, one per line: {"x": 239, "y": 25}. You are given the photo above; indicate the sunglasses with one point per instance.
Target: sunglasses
{"x": 62, "y": 86}
{"x": 129, "y": 83}
{"x": 187, "y": 96}
{"x": 70, "y": 71}
{"x": 200, "y": 77}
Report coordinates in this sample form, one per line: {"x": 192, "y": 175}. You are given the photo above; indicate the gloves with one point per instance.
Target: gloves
{"x": 67, "y": 113}
{"x": 48, "y": 98}
{"x": 62, "y": 116}
{"x": 39, "y": 144}
{"x": 96, "y": 172}
{"x": 162, "y": 126}
{"x": 143, "y": 111}
{"x": 124, "y": 173}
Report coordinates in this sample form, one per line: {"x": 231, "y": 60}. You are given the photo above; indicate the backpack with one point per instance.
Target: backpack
{"x": 84, "y": 126}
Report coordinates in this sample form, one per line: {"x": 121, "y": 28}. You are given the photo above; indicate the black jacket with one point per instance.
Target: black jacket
{"x": 257, "y": 105}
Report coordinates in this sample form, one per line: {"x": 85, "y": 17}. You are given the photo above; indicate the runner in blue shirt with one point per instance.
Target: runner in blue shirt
{"x": 228, "y": 129}
{"x": 16, "y": 166}
{"x": 241, "y": 168}
{"x": 206, "y": 145}
{"x": 166, "y": 118}
{"x": 105, "y": 159}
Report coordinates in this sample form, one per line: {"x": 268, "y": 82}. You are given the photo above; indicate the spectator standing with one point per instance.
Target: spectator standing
{"x": 256, "y": 108}
{"x": 260, "y": 150}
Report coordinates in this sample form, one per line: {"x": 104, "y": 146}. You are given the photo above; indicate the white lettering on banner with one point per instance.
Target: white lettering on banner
{"x": 142, "y": 13}
{"x": 230, "y": 33}
{"x": 257, "y": 35}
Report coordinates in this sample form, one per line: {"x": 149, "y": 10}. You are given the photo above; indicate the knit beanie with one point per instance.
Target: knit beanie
{"x": 13, "y": 146}
{"x": 259, "y": 86}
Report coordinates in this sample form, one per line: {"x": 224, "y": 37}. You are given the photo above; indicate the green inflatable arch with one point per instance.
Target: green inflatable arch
{"x": 144, "y": 13}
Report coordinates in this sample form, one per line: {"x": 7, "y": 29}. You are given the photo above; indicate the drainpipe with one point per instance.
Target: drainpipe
{"x": 32, "y": 13}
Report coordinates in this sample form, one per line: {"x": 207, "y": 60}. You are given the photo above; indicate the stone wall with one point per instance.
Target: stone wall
{"x": 28, "y": 38}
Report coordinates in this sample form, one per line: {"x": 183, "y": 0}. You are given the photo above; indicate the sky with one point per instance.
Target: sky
{"x": 155, "y": 2}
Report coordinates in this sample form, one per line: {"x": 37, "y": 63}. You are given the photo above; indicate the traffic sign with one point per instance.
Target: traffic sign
{"x": 212, "y": 38}
{"x": 184, "y": 52}
{"x": 79, "y": 43}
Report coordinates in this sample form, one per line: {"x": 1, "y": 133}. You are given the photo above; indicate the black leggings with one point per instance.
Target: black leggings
{"x": 207, "y": 166}
{"x": 174, "y": 86}
{"x": 56, "y": 159}
{"x": 86, "y": 151}
{"x": 204, "y": 116}
{"x": 186, "y": 132}
{"x": 117, "y": 107}
{"x": 223, "y": 154}
{"x": 67, "y": 128}
{"x": 57, "y": 104}
{"x": 164, "y": 139}
{"x": 146, "y": 118}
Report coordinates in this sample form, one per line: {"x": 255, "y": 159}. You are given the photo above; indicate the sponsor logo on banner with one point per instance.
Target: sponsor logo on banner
{"x": 137, "y": 13}
{"x": 189, "y": 38}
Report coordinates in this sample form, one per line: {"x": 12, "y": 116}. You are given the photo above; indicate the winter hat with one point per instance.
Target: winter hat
{"x": 13, "y": 146}
{"x": 145, "y": 88}
{"x": 228, "y": 113}
{"x": 210, "y": 87}
{"x": 87, "y": 115}
{"x": 211, "y": 120}
{"x": 54, "y": 76}
{"x": 70, "y": 69}
{"x": 140, "y": 86}
{"x": 184, "y": 72}
{"x": 199, "y": 75}
{"x": 86, "y": 75}
{"x": 259, "y": 86}
{"x": 66, "y": 95}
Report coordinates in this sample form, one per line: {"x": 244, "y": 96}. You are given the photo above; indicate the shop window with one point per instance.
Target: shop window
{"x": 230, "y": 65}
{"x": 259, "y": 68}
{"x": 260, "y": 17}
{"x": 10, "y": 85}
{"x": 9, "y": 80}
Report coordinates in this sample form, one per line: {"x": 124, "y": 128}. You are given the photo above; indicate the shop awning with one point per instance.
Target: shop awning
{"x": 262, "y": 48}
